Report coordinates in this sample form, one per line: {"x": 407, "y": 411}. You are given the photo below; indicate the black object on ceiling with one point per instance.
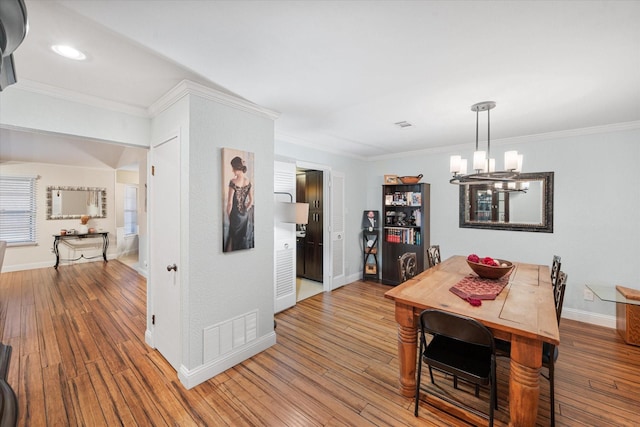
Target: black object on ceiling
{"x": 13, "y": 30}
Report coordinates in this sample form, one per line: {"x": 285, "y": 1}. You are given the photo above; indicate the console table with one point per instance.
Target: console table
{"x": 57, "y": 238}
{"x": 627, "y": 309}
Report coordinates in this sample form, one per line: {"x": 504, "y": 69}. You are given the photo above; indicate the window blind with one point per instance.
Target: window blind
{"x": 18, "y": 210}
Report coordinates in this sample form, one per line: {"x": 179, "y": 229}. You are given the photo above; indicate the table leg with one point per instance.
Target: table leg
{"x": 55, "y": 251}
{"x": 407, "y": 348}
{"x": 524, "y": 381}
{"x": 105, "y": 246}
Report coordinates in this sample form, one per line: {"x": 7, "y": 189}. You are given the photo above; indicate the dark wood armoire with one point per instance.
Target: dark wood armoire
{"x": 309, "y": 189}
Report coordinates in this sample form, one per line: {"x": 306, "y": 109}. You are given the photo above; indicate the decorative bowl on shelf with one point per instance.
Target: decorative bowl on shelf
{"x": 489, "y": 271}
{"x": 410, "y": 179}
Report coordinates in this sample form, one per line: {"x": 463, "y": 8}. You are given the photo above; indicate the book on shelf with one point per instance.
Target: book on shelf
{"x": 409, "y": 236}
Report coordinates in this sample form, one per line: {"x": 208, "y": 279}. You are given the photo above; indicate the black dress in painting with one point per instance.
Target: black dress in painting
{"x": 239, "y": 233}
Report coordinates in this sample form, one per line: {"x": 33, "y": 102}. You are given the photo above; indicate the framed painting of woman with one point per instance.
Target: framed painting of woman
{"x": 238, "y": 201}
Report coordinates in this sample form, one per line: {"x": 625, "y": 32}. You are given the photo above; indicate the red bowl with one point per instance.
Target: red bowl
{"x": 490, "y": 272}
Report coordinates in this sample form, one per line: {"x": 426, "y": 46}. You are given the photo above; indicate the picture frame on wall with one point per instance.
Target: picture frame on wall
{"x": 391, "y": 179}
{"x": 238, "y": 202}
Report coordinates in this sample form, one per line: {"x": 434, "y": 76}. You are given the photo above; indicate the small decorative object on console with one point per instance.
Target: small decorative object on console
{"x": 489, "y": 268}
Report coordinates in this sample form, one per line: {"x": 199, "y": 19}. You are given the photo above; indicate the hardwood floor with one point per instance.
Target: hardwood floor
{"x": 79, "y": 358}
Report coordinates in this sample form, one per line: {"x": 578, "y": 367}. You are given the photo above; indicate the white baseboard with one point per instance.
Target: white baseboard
{"x": 192, "y": 377}
{"x": 45, "y": 264}
{"x": 148, "y": 338}
{"x": 587, "y": 317}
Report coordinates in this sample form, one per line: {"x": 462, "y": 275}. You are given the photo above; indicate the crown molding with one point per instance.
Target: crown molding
{"x": 563, "y": 134}
{"x": 69, "y": 95}
{"x": 187, "y": 87}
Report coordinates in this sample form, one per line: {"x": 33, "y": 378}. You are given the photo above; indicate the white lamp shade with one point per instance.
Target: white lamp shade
{"x": 463, "y": 167}
{"x": 492, "y": 165}
{"x": 454, "y": 164}
{"x": 520, "y": 160}
{"x": 292, "y": 213}
{"x": 302, "y": 213}
{"x": 510, "y": 160}
{"x": 479, "y": 160}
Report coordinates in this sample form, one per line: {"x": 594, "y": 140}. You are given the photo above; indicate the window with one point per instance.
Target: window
{"x": 18, "y": 210}
{"x": 130, "y": 209}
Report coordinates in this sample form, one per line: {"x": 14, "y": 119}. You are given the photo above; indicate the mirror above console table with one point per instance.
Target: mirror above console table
{"x": 75, "y": 202}
{"x": 523, "y": 204}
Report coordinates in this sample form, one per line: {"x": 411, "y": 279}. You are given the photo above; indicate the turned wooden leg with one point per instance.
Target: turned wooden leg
{"x": 407, "y": 348}
{"x": 524, "y": 381}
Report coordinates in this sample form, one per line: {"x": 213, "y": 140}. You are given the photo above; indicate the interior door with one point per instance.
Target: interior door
{"x": 164, "y": 242}
{"x": 337, "y": 230}
{"x": 284, "y": 240}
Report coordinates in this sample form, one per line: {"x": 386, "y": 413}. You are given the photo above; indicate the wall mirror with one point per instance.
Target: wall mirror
{"x": 74, "y": 202}
{"x": 525, "y": 205}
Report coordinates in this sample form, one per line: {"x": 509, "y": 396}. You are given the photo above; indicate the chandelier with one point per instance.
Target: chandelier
{"x": 483, "y": 165}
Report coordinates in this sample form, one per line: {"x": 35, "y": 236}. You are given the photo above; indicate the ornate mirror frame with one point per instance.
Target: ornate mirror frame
{"x": 546, "y": 226}
{"x": 101, "y": 201}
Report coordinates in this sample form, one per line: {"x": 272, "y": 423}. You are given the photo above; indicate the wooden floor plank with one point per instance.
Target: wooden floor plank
{"x": 80, "y": 358}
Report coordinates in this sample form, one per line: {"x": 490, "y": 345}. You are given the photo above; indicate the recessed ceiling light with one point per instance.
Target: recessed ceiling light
{"x": 68, "y": 52}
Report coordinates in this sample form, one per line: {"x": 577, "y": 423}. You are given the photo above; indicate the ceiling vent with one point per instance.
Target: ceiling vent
{"x": 403, "y": 124}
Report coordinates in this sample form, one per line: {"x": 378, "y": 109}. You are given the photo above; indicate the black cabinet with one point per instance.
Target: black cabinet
{"x": 405, "y": 236}
{"x": 309, "y": 189}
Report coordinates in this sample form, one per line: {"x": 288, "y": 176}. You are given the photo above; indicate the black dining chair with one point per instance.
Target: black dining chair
{"x": 555, "y": 270}
{"x": 462, "y": 347}
{"x": 433, "y": 253}
{"x": 8, "y": 401}
{"x": 550, "y": 352}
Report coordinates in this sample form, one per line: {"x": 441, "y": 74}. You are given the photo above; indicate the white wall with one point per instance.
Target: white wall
{"x": 219, "y": 288}
{"x": 28, "y": 107}
{"x": 223, "y": 286}
{"x": 41, "y": 255}
{"x": 596, "y": 210}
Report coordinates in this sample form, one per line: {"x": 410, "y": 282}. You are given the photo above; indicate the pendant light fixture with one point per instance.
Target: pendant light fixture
{"x": 483, "y": 165}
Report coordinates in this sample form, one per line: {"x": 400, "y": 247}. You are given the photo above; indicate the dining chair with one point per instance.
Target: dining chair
{"x": 433, "y": 253}
{"x": 555, "y": 269}
{"x": 8, "y": 401}
{"x": 462, "y": 347}
{"x": 3, "y": 248}
{"x": 550, "y": 352}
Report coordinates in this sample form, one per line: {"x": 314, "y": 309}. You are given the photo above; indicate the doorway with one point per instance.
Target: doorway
{"x": 310, "y": 236}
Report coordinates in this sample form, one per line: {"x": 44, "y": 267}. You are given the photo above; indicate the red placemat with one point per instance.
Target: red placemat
{"x": 474, "y": 287}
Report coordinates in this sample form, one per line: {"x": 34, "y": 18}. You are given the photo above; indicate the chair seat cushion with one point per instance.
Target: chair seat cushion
{"x": 469, "y": 361}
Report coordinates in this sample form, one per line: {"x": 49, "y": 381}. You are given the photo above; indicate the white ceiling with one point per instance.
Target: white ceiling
{"x": 341, "y": 73}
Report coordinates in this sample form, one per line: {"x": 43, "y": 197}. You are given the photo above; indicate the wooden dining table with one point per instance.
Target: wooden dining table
{"x": 522, "y": 313}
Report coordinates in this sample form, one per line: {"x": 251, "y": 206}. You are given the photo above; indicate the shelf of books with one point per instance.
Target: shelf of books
{"x": 408, "y": 236}
{"x": 406, "y": 230}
